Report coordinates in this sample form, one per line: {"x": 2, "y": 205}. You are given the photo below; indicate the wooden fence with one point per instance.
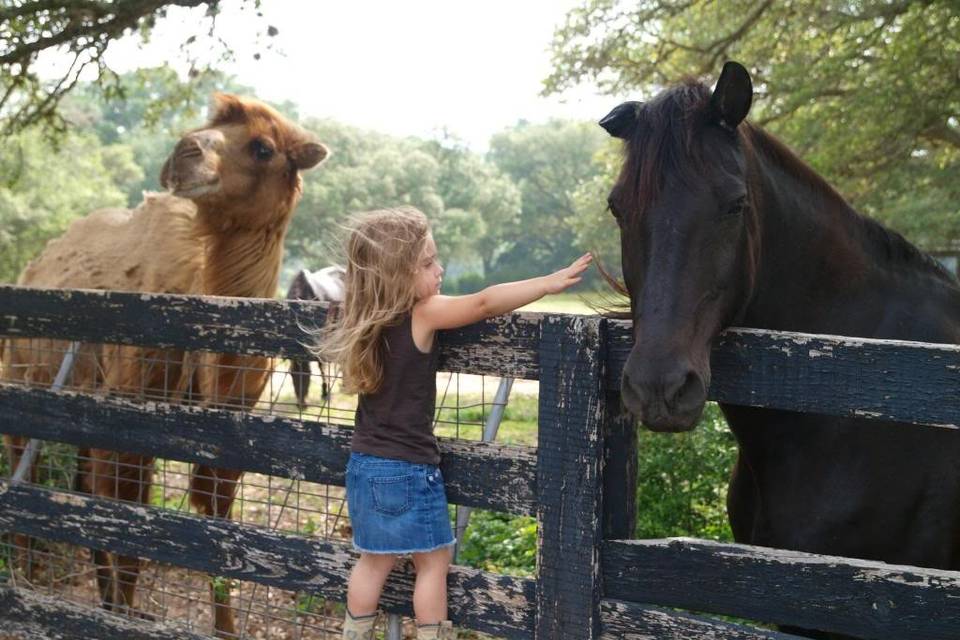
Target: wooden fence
{"x": 580, "y": 481}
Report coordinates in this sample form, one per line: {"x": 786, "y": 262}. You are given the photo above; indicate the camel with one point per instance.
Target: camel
{"x": 233, "y": 186}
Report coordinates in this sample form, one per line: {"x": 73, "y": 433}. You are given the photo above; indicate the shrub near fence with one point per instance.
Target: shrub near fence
{"x": 579, "y": 481}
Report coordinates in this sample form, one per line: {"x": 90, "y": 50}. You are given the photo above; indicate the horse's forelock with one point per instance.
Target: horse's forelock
{"x": 664, "y": 143}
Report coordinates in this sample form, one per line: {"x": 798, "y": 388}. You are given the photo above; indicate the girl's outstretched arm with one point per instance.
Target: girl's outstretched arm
{"x": 450, "y": 312}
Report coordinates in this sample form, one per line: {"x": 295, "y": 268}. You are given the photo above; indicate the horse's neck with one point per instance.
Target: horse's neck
{"x": 820, "y": 269}
{"x": 244, "y": 262}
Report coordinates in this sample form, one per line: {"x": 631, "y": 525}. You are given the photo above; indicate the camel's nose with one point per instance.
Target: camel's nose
{"x": 198, "y": 142}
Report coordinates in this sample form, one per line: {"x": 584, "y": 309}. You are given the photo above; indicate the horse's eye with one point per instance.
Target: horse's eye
{"x": 736, "y": 208}
{"x": 261, "y": 150}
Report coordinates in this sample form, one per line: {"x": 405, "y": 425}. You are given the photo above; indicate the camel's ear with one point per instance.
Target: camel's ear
{"x": 227, "y": 108}
{"x": 307, "y": 155}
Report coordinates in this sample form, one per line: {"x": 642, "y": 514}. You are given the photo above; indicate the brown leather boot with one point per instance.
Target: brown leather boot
{"x": 441, "y": 631}
{"x": 359, "y": 628}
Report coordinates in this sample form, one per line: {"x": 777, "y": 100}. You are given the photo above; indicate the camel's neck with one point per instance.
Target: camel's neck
{"x": 244, "y": 262}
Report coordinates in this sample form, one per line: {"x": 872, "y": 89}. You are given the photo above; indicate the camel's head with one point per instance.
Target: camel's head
{"x": 243, "y": 168}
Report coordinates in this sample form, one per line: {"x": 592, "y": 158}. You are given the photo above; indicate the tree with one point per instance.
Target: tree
{"x": 592, "y": 224}
{"x": 366, "y": 170}
{"x": 483, "y": 205}
{"x": 467, "y": 200}
{"x": 867, "y": 92}
{"x": 549, "y": 162}
{"x": 81, "y": 31}
{"x": 52, "y": 188}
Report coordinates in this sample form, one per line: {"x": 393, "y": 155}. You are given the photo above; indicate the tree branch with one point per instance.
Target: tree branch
{"x": 942, "y": 132}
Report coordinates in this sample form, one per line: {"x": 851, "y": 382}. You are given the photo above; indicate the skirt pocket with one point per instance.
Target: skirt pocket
{"x": 392, "y": 495}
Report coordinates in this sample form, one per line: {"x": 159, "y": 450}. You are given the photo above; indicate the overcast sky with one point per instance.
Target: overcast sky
{"x": 405, "y": 68}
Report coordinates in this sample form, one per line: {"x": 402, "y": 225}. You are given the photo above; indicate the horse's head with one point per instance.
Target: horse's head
{"x": 687, "y": 230}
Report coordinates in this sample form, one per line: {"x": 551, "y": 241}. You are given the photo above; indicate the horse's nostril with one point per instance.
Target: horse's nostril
{"x": 628, "y": 394}
{"x": 688, "y": 394}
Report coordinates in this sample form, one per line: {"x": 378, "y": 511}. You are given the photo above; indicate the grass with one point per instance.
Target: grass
{"x": 518, "y": 427}
{"x": 578, "y": 302}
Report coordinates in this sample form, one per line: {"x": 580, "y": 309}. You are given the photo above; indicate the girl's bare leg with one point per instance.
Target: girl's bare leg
{"x": 430, "y": 589}
{"x": 366, "y": 582}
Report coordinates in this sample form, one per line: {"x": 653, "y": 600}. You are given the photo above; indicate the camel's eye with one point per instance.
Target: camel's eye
{"x": 261, "y": 150}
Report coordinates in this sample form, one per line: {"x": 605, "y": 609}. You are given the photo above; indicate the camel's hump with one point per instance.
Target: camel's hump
{"x": 150, "y": 248}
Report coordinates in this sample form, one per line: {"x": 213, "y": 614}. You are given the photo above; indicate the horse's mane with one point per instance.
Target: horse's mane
{"x": 899, "y": 249}
{"x": 664, "y": 142}
{"x": 890, "y": 245}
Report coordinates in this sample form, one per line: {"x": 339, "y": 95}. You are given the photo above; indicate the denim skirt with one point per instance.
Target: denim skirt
{"x": 396, "y": 506}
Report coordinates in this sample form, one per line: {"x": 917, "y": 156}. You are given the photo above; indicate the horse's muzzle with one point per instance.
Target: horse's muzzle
{"x": 671, "y": 402}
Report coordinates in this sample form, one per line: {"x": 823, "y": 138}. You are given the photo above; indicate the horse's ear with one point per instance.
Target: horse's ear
{"x": 732, "y": 96}
{"x": 620, "y": 122}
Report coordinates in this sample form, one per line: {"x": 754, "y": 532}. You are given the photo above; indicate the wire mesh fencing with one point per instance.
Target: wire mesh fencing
{"x": 469, "y": 407}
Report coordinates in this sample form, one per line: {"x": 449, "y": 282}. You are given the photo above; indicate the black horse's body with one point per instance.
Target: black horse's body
{"x": 722, "y": 226}
{"x": 883, "y": 491}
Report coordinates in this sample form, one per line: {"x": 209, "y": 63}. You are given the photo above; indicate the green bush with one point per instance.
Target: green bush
{"x": 682, "y": 480}
{"x": 681, "y": 491}
{"x": 500, "y": 543}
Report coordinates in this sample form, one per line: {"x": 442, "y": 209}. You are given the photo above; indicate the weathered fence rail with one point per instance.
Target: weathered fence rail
{"x": 786, "y": 587}
{"x": 579, "y": 481}
{"x": 478, "y": 474}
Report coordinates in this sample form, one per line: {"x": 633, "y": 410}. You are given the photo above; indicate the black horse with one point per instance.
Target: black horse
{"x": 721, "y": 225}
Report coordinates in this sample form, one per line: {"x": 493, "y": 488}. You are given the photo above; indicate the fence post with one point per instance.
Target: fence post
{"x": 569, "y": 478}
{"x": 619, "y": 456}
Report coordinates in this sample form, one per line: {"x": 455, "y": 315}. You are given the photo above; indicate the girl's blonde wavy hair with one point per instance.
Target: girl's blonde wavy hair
{"x": 383, "y": 250}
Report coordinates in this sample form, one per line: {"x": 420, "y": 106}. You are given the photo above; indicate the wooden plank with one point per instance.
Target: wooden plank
{"x": 502, "y": 346}
{"x": 477, "y": 474}
{"x": 569, "y": 478}
{"x": 856, "y": 377}
{"x": 857, "y": 597}
{"x": 630, "y": 621}
{"x": 41, "y": 617}
{"x": 619, "y": 454}
{"x": 492, "y": 603}
{"x": 620, "y": 450}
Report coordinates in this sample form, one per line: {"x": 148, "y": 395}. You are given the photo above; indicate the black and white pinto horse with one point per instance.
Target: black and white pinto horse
{"x": 325, "y": 285}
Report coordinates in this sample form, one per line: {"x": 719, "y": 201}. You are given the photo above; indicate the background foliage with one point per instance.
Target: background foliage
{"x": 868, "y": 92}
{"x": 508, "y": 213}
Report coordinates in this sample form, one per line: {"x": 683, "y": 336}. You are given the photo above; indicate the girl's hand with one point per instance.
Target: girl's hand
{"x": 560, "y": 280}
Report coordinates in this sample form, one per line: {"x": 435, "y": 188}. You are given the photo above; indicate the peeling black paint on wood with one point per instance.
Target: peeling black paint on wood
{"x": 502, "y": 346}
{"x": 40, "y": 617}
{"x": 620, "y": 448}
{"x": 569, "y": 482}
{"x": 859, "y": 377}
{"x": 861, "y": 598}
{"x": 629, "y": 621}
{"x": 853, "y": 377}
{"x": 488, "y": 602}
{"x": 477, "y": 474}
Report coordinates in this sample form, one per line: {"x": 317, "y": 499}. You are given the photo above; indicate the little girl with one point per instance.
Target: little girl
{"x": 384, "y": 340}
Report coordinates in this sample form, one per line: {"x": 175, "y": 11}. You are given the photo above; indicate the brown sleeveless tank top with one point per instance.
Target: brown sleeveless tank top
{"x": 397, "y": 421}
